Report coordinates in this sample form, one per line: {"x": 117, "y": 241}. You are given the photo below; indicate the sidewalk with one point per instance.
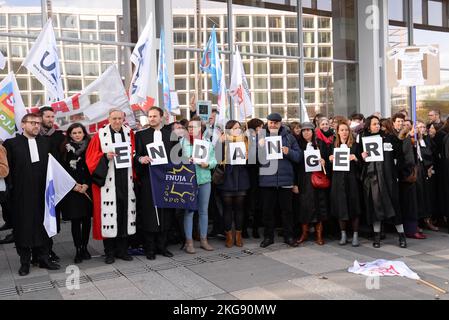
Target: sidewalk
{"x": 277, "y": 272}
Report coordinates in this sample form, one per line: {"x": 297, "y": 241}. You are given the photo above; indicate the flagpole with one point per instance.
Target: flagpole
{"x": 157, "y": 217}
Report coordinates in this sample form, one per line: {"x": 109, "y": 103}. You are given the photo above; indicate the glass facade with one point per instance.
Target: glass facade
{"x": 430, "y": 27}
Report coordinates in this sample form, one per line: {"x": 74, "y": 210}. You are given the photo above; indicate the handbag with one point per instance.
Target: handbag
{"x": 413, "y": 177}
{"x": 320, "y": 180}
{"x": 218, "y": 176}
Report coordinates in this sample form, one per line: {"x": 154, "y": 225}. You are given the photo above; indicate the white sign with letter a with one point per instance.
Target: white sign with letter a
{"x": 122, "y": 157}
{"x": 342, "y": 160}
{"x": 273, "y": 147}
{"x": 312, "y": 160}
{"x": 200, "y": 153}
{"x": 157, "y": 153}
{"x": 374, "y": 147}
{"x": 238, "y": 153}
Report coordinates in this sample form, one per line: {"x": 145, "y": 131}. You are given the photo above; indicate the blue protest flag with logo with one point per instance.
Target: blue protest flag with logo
{"x": 211, "y": 63}
{"x": 163, "y": 74}
{"x": 174, "y": 186}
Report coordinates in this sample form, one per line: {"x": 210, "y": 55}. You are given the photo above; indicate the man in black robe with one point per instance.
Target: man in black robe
{"x": 56, "y": 138}
{"x": 28, "y": 157}
{"x": 153, "y": 225}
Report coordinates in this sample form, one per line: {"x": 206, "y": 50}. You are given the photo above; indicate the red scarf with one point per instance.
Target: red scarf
{"x": 320, "y": 135}
{"x": 192, "y": 138}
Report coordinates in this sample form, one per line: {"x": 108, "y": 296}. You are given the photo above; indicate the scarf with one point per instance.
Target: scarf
{"x": 47, "y": 132}
{"x": 326, "y": 137}
{"x": 77, "y": 148}
{"x": 192, "y": 138}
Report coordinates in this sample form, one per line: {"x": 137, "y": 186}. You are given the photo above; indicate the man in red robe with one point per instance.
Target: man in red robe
{"x": 109, "y": 159}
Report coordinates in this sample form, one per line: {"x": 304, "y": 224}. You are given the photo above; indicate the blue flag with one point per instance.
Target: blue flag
{"x": 211, "y": 63}
{"x": 174, "y": 186}
{"x": 163, "y": 74}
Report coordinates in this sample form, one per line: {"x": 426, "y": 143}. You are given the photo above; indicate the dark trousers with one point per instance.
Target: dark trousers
{"x": 116, "y": 246}
{"x": 216, "y": 210}
{"x": 274, "y": 198}
{"x": 41, "y": 253}
{"x": 155, "y": 242}
{"x": 81, "y": 231}
{"x": 253, "y": 214}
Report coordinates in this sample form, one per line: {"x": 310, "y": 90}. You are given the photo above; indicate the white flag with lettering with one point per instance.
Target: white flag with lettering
{"x": 58, "y": 184}
{"x": 43, "y": 62}
{"x": 239, "y": 89}
{"x": 141, "y": 58}
{"x": 380, "y": 268}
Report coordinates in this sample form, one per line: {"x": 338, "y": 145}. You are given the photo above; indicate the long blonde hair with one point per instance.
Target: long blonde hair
{"x": 338, "y": 142}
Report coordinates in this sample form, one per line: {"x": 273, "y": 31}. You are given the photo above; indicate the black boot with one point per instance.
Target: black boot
{"x": 53, "y": 257}
{"x": 84, "y": 253}
{"x": 402, "y": 240}
{"x": 78, "y": 255}
{"x": 245, "y": 234}
{"x": 376, "y": 243}
{"x": 256, "y": 234}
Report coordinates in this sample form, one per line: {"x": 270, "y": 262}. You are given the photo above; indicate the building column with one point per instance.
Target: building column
{"x": 373, "y": 41}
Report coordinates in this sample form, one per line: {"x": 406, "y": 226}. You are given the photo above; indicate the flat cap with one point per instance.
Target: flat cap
{"x": 274, "y": 117}
{"x": 307, "y": 125}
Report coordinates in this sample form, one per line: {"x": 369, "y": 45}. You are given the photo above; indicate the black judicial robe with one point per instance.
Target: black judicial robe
{"x": 345, "y": 197}
{"x": 27, "y": 181}
{"x": 380, "y": 183}
{"x": 146, "y": 213}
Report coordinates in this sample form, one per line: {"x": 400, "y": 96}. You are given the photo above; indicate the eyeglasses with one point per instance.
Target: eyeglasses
{"x": 34, "y": 123}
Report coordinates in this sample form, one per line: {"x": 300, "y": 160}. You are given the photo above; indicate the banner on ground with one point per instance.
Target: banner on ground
{"x": 380, "y": 268}
{"x": 174, "y": 186}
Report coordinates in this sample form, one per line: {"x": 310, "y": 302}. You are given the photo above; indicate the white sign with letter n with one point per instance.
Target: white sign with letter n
{"x": 273, "y": 147}
{"x": 156, "y": 151}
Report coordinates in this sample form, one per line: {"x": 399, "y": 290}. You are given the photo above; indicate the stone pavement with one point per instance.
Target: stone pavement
{"x": 309, "y": 272}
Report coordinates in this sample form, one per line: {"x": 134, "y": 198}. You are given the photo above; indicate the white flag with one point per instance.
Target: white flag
{"x": 43, "y": 62}
{"x": 239, "y": 88}
{"x": 304, "y": 113}
{"x": 141, "y": 58}
{"x": 380, "y": 268}
{"x": 58, "y": 184}
{"x": 2, "y": 61}
{"x": 12, "y": 109}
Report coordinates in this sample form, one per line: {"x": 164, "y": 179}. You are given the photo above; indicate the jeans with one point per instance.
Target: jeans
{"x": 203, "y": 205}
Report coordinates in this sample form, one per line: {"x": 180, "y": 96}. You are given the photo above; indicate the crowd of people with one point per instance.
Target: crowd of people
{"x": 406, "y": 190}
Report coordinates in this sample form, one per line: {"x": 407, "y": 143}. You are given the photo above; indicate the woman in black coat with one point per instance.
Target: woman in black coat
{"x": 313, "y": 202}
{"x": 380, "y": 182}
{"x": 77, "y": 205}
{"x": 345, "y": 197}
{"x": 235, "y": 186}
{"x": 425, "y": 179}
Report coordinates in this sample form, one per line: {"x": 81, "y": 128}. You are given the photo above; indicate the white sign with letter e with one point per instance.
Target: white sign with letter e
{"x": 122, "y": 157}
{"x": 342, "y": 160}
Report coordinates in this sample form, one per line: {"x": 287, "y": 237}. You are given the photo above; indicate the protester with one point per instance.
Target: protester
{"x": 203, "y": 177}
{"x": 345, "y": 198}
{"x": 4, "y": 201}
{"x": 425, "y": 179}
{"x": 28, "y": 158}
{"x": 276, "y": 180}
{"x": 56, "y": 138}
{"x": 407, "y": 173}
{"x": 153, "y": 223}
{"x": 253, "y": 209}
{"x": 235, "y": 186}
{"x": 434, "y": 116}
{"x": 313, "y": 202}
{"x": 77, "y": 205}
{"x": 114, "y": 216}
{"x": 380, "y": 183}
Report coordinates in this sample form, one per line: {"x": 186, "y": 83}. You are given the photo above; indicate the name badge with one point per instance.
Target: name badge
{"x": 388, "y": 147}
